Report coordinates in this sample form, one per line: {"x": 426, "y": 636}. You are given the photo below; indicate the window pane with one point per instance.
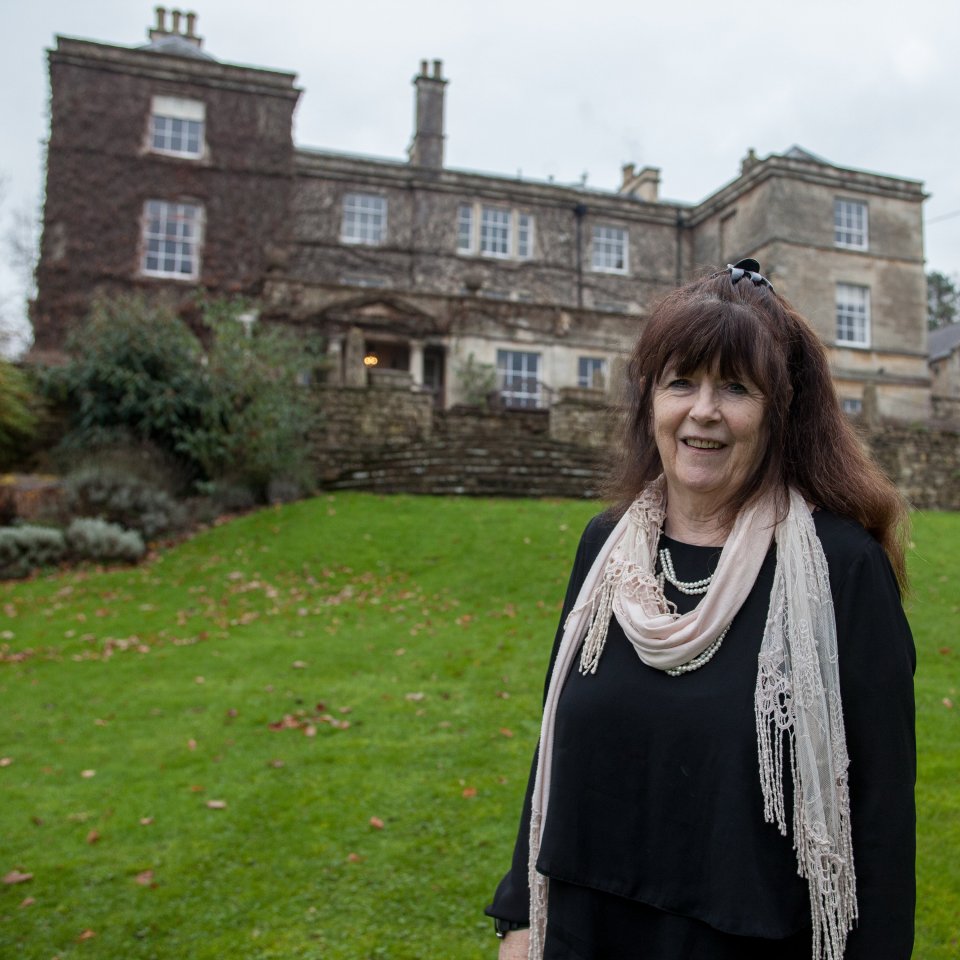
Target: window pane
{"x": 171, "y": 236}
{"x": 364, "y": 218}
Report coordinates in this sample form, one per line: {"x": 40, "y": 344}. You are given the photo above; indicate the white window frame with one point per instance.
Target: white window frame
{"x": 518, "y": 375}
{"x": 177, "y": 127}
{"x": 610, "y": 250}
{"x": 851, "y": 224}
{"x": 497, "y": 232}
{"x": 587, "y": 368}
{"x": 364, "y": 219}
{"x": 852, "y": 406}
{"x": 172, "y": 236}
{"x": 853, "y": 315}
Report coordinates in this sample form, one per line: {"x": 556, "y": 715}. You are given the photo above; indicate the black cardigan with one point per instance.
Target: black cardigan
{"x": 656, "y": 793}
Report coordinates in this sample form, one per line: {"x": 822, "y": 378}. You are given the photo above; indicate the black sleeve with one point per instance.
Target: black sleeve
{"x": 877, "y": 662}
{"x": 512, "y": 900}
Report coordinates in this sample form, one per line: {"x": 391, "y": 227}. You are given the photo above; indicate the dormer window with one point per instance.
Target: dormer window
{"x": 177, "y": 127}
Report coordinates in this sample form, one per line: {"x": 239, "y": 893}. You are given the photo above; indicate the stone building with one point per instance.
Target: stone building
{"x": 169, "y": 170}
{"x": 945, "y": 370}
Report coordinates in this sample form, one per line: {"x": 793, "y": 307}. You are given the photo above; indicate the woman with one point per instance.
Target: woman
{"x": 727, "y": 760}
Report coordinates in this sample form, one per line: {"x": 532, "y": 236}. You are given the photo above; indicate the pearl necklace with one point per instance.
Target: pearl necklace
{"x": 692, "y": 588}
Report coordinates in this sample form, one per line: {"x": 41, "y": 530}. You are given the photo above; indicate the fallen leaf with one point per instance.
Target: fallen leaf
{"x": 506, "y": 732}
{"x": 217, "y": 804}
{"x": 376, "y": 823}
{"x": 415, "y": 696}
{"x": 276, "y": 764}
{"x": 199, "y": 680}
{"x": 146, "y": 821}
{"x": 87, "y": 774}
{"x": 15, "y": 876}
{"x": 354, "y": 858}
{"x": 87, "y": 935}
{"x": 944, "y": 651}
{"x": 309, "y": 730}
{"x": 299, "y": 665}
{"x": 196, "y": 788}
{"x": 469, "y": 791}
{"x": 5, "y": 761}
{"x": 93, "y": 836}
{"x": 145, "y": 879}
{"x": 191, "y": 744}
{"x": 948, "y": 703}
{"x": 29, "y": 902}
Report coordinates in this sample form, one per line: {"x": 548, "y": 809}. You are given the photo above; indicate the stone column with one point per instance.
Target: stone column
{"x": 354, "y": 372}
{"x": 416, "y": 362}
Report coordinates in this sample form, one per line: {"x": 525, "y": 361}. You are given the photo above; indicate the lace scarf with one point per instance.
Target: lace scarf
{"x": 797, "y": 696}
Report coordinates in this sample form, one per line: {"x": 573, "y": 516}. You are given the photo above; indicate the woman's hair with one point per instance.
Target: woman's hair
{"x": 748, "y": 332}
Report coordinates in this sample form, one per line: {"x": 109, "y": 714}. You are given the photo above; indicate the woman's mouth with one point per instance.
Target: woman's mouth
{"x": 699, "y": 444}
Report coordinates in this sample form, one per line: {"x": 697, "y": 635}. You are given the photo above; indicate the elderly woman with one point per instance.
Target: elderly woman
{"x": 726, "y": 764}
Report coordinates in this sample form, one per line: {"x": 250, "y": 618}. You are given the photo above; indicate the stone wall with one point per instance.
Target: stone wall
{"x": 390, "y": 438}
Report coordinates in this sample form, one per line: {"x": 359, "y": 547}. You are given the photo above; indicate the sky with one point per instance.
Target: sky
{"x": 559, "y": 89}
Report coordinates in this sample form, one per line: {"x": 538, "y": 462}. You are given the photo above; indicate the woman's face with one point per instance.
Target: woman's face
{"x": 710, "y": 433}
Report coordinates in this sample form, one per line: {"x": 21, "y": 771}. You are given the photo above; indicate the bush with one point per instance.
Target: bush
{"x": 136, "y": 371}
{"x": 119, "y": 498}
{"x": 234, "y": 414}
{"x": 260, "y": 411}
{"x": 18, "y": 412}
{"x": 89, "y": 538}
{"x": 24, "y": 549}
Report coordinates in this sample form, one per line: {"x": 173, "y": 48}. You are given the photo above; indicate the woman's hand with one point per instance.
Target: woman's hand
{"x": 515, "y": 945}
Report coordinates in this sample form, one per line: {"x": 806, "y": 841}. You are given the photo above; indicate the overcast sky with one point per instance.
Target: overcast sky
{"x": 564, "y": 88}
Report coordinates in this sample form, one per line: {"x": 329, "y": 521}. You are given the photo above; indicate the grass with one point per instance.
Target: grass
{"x": 399, "y": 645}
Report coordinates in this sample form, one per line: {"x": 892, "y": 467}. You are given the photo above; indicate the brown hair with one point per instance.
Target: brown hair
{"x": 750, "y": 332}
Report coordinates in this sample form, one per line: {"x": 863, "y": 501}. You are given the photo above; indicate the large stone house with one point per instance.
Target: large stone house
{"x": 169, "y": 170}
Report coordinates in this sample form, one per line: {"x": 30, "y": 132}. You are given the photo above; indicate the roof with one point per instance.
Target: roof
{"x": 175, "y": 45}
{"x": 943, "y": 341}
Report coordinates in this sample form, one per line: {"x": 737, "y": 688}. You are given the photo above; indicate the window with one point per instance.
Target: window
{"x": 518, "y": 374}
{"x": 853, "y": 406}
{"x": 364, "y": 218}
{"x": 853, "y": 315}
{"x": 850, "y": 224}
{"x": 494, "y": 232}
{"x": 592, "y": 372}
{"x": 172, "y": 234}
{"x": 177, "y": 127}
{"x": 610, "y": 249}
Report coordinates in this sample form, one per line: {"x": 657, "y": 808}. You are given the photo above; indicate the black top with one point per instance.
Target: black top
{"x": 655, "y": 792}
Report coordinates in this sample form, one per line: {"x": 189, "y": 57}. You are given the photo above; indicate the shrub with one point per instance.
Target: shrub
{"x": 107, "y": 494}
{"x": 24, "y": 549}
{"x": 89, "y": 538}
{"x": 236, "y": 413}
{"x": 260, "y": 410}
{"x": 18, "y": 412}
{"x": 476, "y": 381}
{"x": 135, "y": 370}
{"x": 281, "y": 490}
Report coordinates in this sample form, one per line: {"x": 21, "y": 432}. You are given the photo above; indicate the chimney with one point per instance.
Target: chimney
{"x": 161, "y": 31}
{"x": 644, "y": 185}
{"x": 426, "y": 149}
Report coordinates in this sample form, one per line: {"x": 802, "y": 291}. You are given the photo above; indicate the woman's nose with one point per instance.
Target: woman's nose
{"x": 705, "y": 404}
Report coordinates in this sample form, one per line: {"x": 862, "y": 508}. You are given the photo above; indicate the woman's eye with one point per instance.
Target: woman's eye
{"x": 737, "y": 388}
{"x": 678, "y": 383}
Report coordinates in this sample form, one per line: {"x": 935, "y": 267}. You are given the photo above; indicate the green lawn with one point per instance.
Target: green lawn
{"x": 398, "y": 645}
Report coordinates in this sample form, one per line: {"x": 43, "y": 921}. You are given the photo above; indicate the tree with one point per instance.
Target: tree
{"x": 943, "y": 300}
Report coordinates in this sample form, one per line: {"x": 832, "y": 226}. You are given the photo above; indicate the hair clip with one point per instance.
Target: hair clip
{"x": 750, "y": 269}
